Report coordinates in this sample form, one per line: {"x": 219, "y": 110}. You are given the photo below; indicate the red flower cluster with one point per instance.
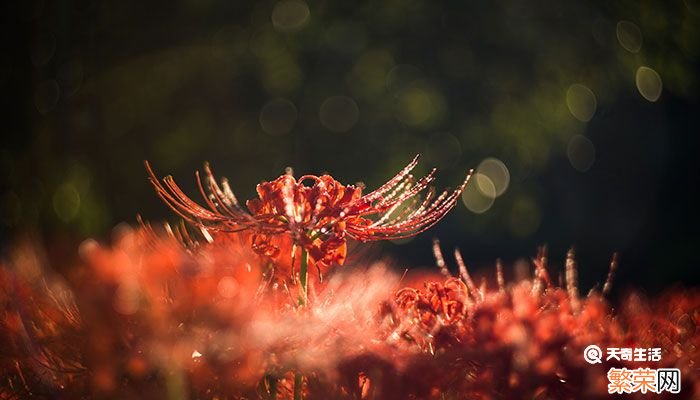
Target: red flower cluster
{"x": 525, "y": 339}
{"x": 149, "y": 318}
{"x": 318, "y": 217}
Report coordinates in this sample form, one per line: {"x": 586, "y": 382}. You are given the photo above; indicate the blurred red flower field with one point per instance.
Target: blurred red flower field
{"x": 198, "y": 312}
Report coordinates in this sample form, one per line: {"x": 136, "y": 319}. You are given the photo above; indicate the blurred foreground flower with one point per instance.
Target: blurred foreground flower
{"x": 318, "y": 217}
{"x": 150, "y": 318}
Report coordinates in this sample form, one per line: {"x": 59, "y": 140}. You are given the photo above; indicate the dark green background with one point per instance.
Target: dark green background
{"x": 92, "y": 88}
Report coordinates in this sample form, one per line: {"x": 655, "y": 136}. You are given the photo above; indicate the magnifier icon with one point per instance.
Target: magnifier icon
{"x": 593, "y": 354}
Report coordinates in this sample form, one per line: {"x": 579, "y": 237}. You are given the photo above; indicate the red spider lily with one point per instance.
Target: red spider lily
{"x": 319, "y": 216}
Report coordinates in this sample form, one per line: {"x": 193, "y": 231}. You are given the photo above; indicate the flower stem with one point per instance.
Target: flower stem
{"x": 270, "y": 387}
{"x": 303, "y": 280}
{"x": 298, "y": 381}
{"x": 304, "y": 275}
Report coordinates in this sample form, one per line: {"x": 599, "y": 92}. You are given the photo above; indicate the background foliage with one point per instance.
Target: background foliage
{"x": 591, "y": 107}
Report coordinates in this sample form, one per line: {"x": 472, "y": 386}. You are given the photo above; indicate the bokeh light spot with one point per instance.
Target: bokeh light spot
{"x": 281, "y": 75}
{"x": 420, "y": 105}
{"x": 581, "y": 102}
{"x": 649, "y": 83}
{"x": 629, "y": 36}
{"x": 480, "y": 197}
{"x": 290, "y": 15}
{"x": 87, "y": 248}
{"x": 581, "y": 153}
{"x": 278, "y": 117}
{"x": 227, "y": 287}
{"x": 368, "y": 75}
{"x": 339, "y": 113}
{"x": 280, "y": 71}
{"x": 498, "y": 174}
{"x": 66, "y": 202}
{"x": 46, "y": 95}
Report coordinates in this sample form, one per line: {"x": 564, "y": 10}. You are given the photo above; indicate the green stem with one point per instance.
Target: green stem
{"x": 298, "y": 381}
{"x": 270, "y": 387}
{"x": 303, "y": 280}
{"x": 304, "y": 275}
